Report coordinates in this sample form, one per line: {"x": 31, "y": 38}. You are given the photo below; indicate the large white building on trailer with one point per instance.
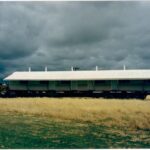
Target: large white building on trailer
{"x": 131, "y": 81}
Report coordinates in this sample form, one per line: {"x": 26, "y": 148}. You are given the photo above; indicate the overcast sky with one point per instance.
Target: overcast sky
{"x": 64, "y": 34}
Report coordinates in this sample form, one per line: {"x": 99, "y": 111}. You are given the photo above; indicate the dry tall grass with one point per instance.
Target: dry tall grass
{"x": 128, "y": 113}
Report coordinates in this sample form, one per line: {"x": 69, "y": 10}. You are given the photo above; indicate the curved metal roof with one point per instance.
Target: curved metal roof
{"x": 80, "y": 75}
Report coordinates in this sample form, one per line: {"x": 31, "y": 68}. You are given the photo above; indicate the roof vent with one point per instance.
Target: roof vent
{"x": 45, "y": 68}
{"x": 124, "y": 67}
{"x": 29, "y": 69}
{"x": 75, "y": 68}
{"x": 96, "y": 68}
{"x": 72, "y": 68}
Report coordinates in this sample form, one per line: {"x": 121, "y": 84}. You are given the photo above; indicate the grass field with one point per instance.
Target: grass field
{"x": 74, "y": 123}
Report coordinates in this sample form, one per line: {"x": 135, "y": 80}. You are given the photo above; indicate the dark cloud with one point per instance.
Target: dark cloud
{"x": 64, "y": 34}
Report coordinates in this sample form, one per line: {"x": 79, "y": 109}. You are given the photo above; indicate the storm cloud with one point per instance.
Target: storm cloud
{"x": 64, "y": 34}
